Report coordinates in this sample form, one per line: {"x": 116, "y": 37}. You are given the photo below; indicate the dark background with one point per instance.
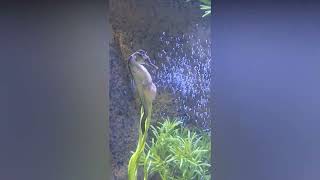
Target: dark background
{"x": 54, "y": 90}
{"x": 55, "y": 56}
{"x": 266, "y": 90}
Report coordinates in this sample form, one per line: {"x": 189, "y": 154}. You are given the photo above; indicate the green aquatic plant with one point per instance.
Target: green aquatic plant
{"x": 133, "y": 162}
{"x": 177, "y": 153}
{"x": 206, "y": 6}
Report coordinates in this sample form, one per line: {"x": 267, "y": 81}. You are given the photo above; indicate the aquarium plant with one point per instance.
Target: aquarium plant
{"x": 177, "y": 153}
{"x": 147, "y": 92}
{"x": 206, "y": 6}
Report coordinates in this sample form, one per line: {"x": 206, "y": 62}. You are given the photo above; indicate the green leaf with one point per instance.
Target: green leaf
{"x": 205, "y": 7}
{"x": 207, "y": 2}
{"x": 206, "y": 13}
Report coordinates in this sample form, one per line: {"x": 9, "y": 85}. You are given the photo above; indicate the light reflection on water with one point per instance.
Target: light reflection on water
{"x": 184, "y": 70}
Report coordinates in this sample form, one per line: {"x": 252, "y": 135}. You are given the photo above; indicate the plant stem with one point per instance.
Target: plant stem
{"x": 133, "y": 162}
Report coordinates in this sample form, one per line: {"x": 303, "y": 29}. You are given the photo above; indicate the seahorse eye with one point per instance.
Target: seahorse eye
{"x": 142, "y": 52}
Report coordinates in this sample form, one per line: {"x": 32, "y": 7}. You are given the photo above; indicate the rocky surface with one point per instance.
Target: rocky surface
{"x": 176, "y": 38}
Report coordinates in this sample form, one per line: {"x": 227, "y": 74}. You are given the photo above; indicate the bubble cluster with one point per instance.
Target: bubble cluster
{"x": 184, "y": 70}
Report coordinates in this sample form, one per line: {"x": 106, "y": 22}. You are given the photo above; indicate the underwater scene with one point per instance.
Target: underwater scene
{"x": 160, "y": 73}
